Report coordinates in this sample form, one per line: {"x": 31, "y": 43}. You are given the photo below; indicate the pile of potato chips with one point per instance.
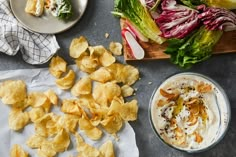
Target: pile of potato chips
{"x": 97, "y": 105}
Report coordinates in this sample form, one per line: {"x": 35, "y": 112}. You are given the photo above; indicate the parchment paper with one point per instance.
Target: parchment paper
{"x": 42, "y": 80}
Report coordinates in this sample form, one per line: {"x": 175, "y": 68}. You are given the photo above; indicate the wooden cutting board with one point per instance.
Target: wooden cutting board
{"x": 227, "y": 44}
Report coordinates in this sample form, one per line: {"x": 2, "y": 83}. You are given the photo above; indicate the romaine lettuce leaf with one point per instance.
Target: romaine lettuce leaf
{"x": 136, "y": 13}
{"x": 194, "y": 48}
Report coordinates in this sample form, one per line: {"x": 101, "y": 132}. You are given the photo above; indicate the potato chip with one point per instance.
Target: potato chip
{"x": 98, "y": 114}
{"x": 37, "y": 99}
{"x": 106, "y": 59}
{"x": 71, "y": 107}
{"x": 46, "y": 150}
{"x": 46, "y": 125}
{"x": 13, "y": 92}
{"x": 35, "y": 141}
{"x": 129, "y": 111}
{"x": 84, "y": 124}
{"x": 17, "y": 119}
{"x": 86, "y": 64}
{"x": 90, "y": 151}
{"x": 107, "y": 149}
{"x": 89, "y": 62}
{"x": 104, "y": 93}
{"x": 116, "y": 70}
{"x": 97, "y": 51}
{"x": 126, "y": 90}
{"x": 70, "y": 122}
{"x": 61, "y": 141}
{"x": 17, "y": 151}
{"x": 130, "y": 74}
{"x": 94, "y": 133}
{"x": 126, "y": 74}
{"x": 87, "y": 101}
{"x": 52, "y": 96}
{"x": 36, "y": 113}
{"x": 67, "y": 81}
{"x": 84, "y": 149}
{"x": 101, "y": 75}
{"x": 116, "y": 106}
{"x": 112, "y": 124}
{"x": 116, "y": 48}
{"x": 57, "y": 66}
{"x": 78, "y": 46}
{"x": 82, "y": 87}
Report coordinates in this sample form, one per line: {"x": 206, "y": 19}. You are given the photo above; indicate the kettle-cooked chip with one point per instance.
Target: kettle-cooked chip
{"x": 46, "y": 150}
{"x": 97, "y": 51}
{"x": 126, "y": 90}
{"x": 47, "y": 125}
{"x": 85, "y": 124}
{"x": 116, "y": 48}
{"x": 84, "y": 149}
{"x": 101, "y": 75}
{"x": 82, "y": 87}
{"x": 71, "y": 107}
{"x": 17, "y": 151}
{"x": 78, "y": 46}
{"x": 106, "y": 59}
{"x": 90, "y": 151}
{"x": 57, "y": 66}
{"x": 52, "y": 96}
{"x": 17, "y": 119}
{"x": 129, "y": 111}
{"x": 112, "y": 124}
{"x": 104, "y": 93}
{"x": 116, "y": 70}
{"x": 94, "y": 133}
{"x": 67, "y": 81}
{"x": 35, "y": 141}
{"x": 107, "y": 149}
{"x": 13, "y": 92}
{"x": 36, "y": 113}
{"x": 70, "y": 122}
{"x": 61, "y": 141}
{"x": 37, "y": 99}
{"x": 126, "y": 74}
{"x": 130, "y": 74}
{"x": 86, "y": 64}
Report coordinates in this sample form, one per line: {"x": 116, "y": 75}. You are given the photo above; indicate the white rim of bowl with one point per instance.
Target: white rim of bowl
{"x": 227, "y": 106}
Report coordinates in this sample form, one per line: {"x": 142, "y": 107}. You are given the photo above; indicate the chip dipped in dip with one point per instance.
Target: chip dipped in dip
{"x": 189, "y": 112}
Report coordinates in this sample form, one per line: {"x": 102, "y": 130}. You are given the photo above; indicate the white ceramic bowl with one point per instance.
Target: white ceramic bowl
{"x": 222, "y": 104}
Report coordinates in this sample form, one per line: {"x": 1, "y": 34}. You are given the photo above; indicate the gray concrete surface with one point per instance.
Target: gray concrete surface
{"x": 97, "y": 21}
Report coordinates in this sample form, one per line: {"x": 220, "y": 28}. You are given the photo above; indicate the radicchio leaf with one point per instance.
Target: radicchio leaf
{"x": 217, "y": 18}
{"x": 177, "y": 21}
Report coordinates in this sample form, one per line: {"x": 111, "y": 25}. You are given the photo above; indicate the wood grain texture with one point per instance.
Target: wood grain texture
{"x": 227, "y": 44}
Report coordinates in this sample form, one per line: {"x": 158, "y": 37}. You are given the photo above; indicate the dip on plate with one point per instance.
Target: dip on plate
{"x": 189, "y": 112}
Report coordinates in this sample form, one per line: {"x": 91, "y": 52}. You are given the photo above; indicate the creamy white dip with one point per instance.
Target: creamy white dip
{"x": 188, "y": 118}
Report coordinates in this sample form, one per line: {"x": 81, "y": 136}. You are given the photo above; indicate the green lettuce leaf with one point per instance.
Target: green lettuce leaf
{"x": 194, "y": 48}
{"x": 228, "y": 4}
{"x": 65, "y": 10}
{"x": 135, "y": 12}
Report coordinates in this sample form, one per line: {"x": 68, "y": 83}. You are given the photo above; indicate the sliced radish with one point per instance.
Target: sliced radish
{"x": 136, "y": 50}
{"x": 137, "y": 33}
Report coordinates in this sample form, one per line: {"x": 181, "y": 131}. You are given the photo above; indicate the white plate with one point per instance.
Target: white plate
{"x": 47, "y": 23}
